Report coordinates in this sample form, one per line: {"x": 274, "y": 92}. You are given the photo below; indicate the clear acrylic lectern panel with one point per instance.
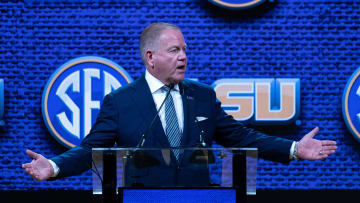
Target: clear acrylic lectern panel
{"x": 158, "y": 167}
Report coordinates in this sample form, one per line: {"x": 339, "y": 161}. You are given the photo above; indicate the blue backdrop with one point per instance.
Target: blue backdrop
{"x": 316, "y": 41}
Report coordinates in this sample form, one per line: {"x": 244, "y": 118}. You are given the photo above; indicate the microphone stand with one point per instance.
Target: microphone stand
{"x": 143, "y": 137}
{"x": 141, "y": 159}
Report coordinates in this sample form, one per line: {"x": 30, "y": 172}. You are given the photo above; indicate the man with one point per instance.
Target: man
{"x": 127, "y": 112}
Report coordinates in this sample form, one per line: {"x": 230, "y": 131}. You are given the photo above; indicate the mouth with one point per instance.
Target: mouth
{"x": 181, "y": 67}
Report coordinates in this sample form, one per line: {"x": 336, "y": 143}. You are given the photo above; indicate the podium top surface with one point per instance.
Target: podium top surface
{"x": 170, "y": 148}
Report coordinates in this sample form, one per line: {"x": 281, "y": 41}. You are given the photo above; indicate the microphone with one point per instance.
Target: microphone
{"x": 143, "y": 137}
{"x": 201, "y": 134}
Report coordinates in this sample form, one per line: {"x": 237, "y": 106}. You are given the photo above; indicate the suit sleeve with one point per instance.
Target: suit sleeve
{"x": 102, "y": 134}
{"x": 232, "y": 133}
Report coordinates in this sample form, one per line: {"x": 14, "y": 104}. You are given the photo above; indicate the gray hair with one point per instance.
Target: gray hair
{"x": 149, "y": 38}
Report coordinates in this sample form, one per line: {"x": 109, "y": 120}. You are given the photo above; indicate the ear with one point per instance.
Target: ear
{"x": 149, "y": 58}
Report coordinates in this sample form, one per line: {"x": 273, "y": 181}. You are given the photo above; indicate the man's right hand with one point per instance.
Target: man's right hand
{"x": 39, "y": 168}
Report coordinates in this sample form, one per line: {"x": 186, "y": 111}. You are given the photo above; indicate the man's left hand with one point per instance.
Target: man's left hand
{"x": 313, "y": 149}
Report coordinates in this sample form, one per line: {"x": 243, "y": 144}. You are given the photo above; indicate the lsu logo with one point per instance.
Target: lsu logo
{"x": 260, "y": 101}
{"x": 237, "y": 4}
{"x": 351, "y": 104}
{"x": 72, "y": 96}
{"x": 1, "y": 102}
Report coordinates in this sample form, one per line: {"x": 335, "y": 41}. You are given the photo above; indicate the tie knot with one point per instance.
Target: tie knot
{"x": 165, "y": 88}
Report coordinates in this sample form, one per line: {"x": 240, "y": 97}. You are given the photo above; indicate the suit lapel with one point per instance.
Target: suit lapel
{"x": 145, "y": 104}
{"x": 188, "y": 139}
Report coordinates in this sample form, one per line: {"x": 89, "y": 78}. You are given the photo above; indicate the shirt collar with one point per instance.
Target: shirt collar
{"x": 154, "y": 83}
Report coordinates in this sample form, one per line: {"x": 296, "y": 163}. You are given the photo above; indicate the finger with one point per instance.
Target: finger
{"x": 30, "y": 172}
{"x": 327, "y": 142}
{"x": 327, "y": 148}
{"x": 27, "y": 165}
{"x": 27, "y": 170}
{"x": 37, "y": 178}
{"x": 321, "y": 156}
{"x": 32, "y": 154}
{"x": 313, "y": 132}
{"x": 328, "y": 152}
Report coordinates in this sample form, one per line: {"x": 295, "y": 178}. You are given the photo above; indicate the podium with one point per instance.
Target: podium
{"x": 117, "y": 169}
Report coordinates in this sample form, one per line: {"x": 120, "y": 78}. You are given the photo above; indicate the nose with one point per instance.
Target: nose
{"x": 182, "y": 55}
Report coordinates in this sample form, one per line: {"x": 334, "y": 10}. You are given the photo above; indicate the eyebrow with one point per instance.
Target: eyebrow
{"x": 175, "y": 46}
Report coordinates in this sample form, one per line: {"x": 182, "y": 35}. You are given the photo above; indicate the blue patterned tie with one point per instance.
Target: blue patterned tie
{"x": 172, "y": 125}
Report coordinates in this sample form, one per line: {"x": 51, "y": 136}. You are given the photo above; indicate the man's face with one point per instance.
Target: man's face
{"x": 168, "y": 62}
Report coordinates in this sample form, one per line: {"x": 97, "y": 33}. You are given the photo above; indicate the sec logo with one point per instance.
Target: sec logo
{"x": 351, "y": 104}
{"x": 72, "y": 97}
{"x": 237, "y": 4}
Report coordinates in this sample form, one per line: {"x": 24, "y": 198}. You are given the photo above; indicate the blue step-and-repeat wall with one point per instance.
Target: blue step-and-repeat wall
{"x": 315, "y": 41}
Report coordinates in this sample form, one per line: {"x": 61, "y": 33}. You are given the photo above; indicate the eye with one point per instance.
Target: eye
{"x": 174, "y": 50}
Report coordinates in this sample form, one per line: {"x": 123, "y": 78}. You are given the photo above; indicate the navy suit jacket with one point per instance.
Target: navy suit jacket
{"x": 127, "y": 112}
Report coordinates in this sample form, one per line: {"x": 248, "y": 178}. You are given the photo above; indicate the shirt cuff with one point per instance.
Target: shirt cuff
{"x": 55, "y": 167}
{"x": 293, "y": 151}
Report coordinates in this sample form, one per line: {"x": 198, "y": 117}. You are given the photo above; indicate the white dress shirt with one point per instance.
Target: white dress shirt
{"x": 159, "y": 96}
